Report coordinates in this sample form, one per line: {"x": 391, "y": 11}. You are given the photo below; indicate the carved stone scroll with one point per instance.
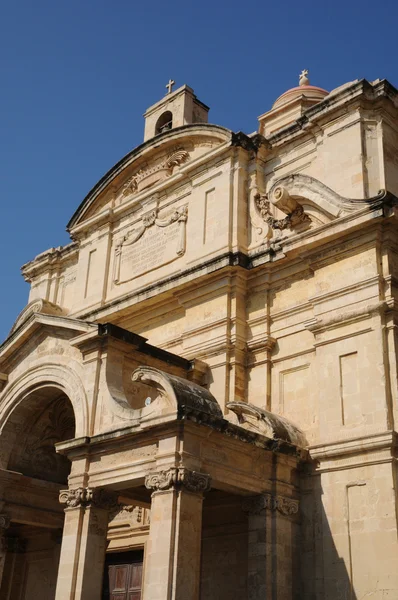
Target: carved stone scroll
{"x": 255, "y": 504}
{"x": 153, "y": 243}
{"x": 84, "y": 497}
{"x": 177, "y": 478}
{"x": 296, "y": 217}
{"x": 148, "y": 176}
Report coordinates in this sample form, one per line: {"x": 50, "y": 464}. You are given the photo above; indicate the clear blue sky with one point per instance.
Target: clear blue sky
{"x": 76, "y": 77}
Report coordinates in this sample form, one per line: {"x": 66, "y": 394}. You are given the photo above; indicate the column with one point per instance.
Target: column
{"x": 172, "y": 560}
{"x": 272, "y": 546}
{"x": 81, "y": 565}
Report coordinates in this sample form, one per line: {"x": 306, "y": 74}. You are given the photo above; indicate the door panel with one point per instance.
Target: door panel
{"x": 123, "y": 576}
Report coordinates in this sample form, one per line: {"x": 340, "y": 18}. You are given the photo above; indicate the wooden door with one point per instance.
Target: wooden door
{"x": 123, "y": 576}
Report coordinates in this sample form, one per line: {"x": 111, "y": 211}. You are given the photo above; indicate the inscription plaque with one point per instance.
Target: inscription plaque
{"x": 151, "y": 244}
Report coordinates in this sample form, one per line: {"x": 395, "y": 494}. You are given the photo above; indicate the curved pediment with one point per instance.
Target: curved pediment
{"x": 39, "y": 306}
{"x": 264, "y": 422}
{"x": 157, "y": 396}
{"x": 306, "y": 203}
{"x": 149, "y": 165}
{"x": 286, "y": 192}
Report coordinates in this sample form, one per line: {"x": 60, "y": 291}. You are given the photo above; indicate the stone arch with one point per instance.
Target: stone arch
{"x": 49, "y": 374}
{"x": 42, "y": 419}
{"x": 164, "y": 123}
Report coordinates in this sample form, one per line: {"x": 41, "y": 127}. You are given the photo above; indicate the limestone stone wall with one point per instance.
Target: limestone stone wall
{"x": 224, "y": 561}
{"x": 274, "y": 262}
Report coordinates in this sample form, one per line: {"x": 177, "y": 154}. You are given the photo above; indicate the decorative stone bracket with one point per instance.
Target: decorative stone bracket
{"x": 178, "y": 478}
{"x": 296, "y": 215}
{"x": 87, "y": 497}
{"x": 255, "y": 504}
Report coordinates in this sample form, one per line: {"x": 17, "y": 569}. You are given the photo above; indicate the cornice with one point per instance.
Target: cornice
{"x": 35, "y": 322}
{"x": 361, "y": 90}
{"x": 49, "y": 259}
{"x": 355, "y": 445}
{"x": 169, "y": 136}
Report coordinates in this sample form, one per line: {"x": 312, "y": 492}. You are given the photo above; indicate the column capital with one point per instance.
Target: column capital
{"x": 255, "y": 504}
{"x": 88, "y": 497}
{"x": 178, "y": 478}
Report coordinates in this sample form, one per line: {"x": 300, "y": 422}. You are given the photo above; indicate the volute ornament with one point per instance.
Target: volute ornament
{"x": 84, "y": 497}
{"x": 177, "y": 478}
{"x": 295, "y": 217}
{"x": 255, "y": 504}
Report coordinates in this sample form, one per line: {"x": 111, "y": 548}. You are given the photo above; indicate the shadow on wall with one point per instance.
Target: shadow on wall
{"x": 325, "y": 575}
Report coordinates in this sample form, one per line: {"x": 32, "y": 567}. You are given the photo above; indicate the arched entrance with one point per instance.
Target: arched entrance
{"x": 31, "y": 475}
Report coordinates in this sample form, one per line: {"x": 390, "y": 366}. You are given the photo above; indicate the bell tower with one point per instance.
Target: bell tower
{"x": 177, "y": 108}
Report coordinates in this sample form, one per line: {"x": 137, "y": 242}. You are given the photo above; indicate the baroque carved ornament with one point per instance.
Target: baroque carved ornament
{"x": 178, "y": 478}
{"x": 87, "y": 497}
{"x": 255, "y": 504}
{"x": 136, "y": 516}
{"x": 293, "y": 219}
{"x": 148, "y": 176}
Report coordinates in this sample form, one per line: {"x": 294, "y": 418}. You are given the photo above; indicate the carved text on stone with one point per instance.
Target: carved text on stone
{"x": 153, "y": 243}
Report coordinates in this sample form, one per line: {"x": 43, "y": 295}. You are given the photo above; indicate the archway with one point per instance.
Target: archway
{"x": 31, "y": 477}
{"x": 164, "y": 123}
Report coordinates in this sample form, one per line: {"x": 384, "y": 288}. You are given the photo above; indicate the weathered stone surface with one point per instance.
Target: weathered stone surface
{"x": 212, "y": 363}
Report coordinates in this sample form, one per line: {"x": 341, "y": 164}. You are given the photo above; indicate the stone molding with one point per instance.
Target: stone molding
{"x": 178, "y": 478}
{"x": 88, "y": 497}
{"x": 255, "y": 504}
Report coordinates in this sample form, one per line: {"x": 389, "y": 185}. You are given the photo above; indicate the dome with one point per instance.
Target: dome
{"x": 310, "y": 92}
{"x": 291, "y": 105}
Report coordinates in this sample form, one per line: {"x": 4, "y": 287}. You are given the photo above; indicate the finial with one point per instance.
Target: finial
{"x": 170, "y": 85}
{"x": 303, "y": 79}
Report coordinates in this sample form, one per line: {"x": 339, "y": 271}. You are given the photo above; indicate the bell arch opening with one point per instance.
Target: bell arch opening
{"x": 164, "y": 123}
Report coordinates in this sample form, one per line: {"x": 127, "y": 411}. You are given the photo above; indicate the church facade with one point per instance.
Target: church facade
{"x": 199, "y": 399}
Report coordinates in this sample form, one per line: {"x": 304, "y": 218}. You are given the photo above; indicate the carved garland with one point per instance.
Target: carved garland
{"x": 177, "y": 478}
{"x": 296, "y": 217}
{"x": 255, "y": 504}
{"x": 177, "y": 157}
{"x": 180, "y": 215}
{"x": 84, "y": 497}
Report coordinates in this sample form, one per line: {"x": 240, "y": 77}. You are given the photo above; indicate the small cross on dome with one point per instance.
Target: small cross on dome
{"x": 170, "y": 85}
{"x": 303, "y": 78}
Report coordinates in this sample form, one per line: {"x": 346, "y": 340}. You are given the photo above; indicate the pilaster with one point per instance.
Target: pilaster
{"x": 81, "y": 567}
{"x": 272, "y": 538}
{"x": 172, "y": 569}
